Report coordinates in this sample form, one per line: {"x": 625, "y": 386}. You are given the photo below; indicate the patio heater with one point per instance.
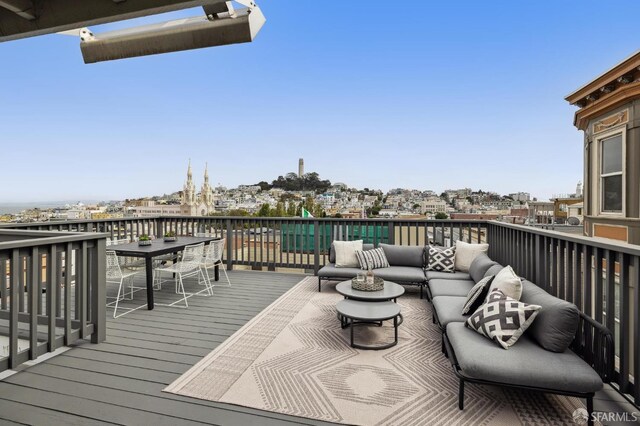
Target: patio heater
{"x": 221, "y": 24}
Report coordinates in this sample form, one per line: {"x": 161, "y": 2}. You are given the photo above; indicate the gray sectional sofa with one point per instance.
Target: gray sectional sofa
{"x": 562, "y": 352}
{"x": 407, "y": 265}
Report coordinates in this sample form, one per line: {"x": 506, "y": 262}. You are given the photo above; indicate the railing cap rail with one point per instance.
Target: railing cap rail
{"x": 42, "y": 238}
{"x": 601, "y": 243}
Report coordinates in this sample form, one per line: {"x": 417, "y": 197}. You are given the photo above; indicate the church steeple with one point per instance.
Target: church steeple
{"x": 189, "y": 191}
{"x": 206, "y": 193}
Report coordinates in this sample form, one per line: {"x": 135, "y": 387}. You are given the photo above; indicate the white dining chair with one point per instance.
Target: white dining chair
{"x": 187, "y": 266}
{"x": 212, "y": 258}
{"x": 118, "y": 274}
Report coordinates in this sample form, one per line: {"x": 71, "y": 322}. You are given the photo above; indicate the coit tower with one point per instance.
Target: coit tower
{"x": 301, "y": 167}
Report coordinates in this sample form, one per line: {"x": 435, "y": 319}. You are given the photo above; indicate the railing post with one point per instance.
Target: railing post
{"x": 316, "y": 246}
{"x": 540, "y": 279}
{"x": 98, "y": 291}
{"x": 230, "y": 243}
{"x": 392, "y": 233}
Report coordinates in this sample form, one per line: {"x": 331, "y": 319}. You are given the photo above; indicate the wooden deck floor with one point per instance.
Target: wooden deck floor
{"x": 121, "y": 381}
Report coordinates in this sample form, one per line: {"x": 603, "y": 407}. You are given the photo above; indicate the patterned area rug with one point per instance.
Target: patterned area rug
{"x": 293, "y": 358}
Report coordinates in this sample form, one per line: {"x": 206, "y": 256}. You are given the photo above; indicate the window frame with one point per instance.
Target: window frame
{"x": 601, "y": 137}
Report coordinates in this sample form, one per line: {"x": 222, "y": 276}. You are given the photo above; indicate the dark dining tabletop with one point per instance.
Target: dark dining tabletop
{"x": 157, "y": 248}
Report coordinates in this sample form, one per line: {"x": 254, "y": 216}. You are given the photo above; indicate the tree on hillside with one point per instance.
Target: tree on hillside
{"x": 441, "y": 215}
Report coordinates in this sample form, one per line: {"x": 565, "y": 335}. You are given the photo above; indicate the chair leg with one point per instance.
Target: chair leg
{"x": 319, "y": 282}
{"x": 118, "y": 298}
{"x": 461, "y": 395}
{"x": 590, "y": 410}
{"x": 184, "y": 295}
{"x": 207, "y": 281}
{"x": 224, "y": 269}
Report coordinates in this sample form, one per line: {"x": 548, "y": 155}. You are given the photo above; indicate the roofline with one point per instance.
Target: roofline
{"x": 611, "y": 70}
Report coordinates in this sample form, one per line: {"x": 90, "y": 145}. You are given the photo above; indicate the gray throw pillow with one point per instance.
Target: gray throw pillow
{"x": 476, "y": 295}
{"x": 372, "y": 259}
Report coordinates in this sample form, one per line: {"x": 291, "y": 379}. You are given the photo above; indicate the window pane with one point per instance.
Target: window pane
{"x": 612, "y": 155}
{"x": 612, "y": 193}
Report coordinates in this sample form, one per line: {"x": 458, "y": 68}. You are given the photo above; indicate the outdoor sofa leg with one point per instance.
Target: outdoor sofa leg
{"x": 319, "y": 282}
{"x": 590, "y": 410}
{"x": 461, "y": 395}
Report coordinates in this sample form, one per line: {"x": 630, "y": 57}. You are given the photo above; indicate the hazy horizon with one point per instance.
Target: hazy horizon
{"x": 474, "y": 98}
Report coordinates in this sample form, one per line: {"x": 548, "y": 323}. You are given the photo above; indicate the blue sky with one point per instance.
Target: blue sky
{"x": 429, "y": 95}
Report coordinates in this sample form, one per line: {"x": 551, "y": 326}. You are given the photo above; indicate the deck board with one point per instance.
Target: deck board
{"x": 120, "y": 381}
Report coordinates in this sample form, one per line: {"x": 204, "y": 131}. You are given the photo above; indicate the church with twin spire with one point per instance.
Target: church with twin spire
{"x": 197, "y": 204}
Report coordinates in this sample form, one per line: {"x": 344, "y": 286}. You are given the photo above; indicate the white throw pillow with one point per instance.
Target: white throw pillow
{"x": 508, "y": 282}
{"x": 465, "y": 253}
{"x": 346, "y": 253}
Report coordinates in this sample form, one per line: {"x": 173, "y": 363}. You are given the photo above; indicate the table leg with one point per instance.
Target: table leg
{"x": 395, "y": 328}
{"x": 351, "y": 332}
{"x": 149, "y": 270}
{"x": 216, "y": 273}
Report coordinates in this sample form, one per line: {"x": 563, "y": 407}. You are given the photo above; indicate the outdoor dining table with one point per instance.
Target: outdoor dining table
{"x": 157, "y": 248}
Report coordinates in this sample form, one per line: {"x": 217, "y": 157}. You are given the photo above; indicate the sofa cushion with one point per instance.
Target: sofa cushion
{"x": 466, "y": 253}
{"x": 403, "y": 274}
{"x": 332, "y": 251}
{"x": 503, "y": 319}
{"x": 346, "y": 253}
{"x": 525, "y": 364}
{"x": 480, "y": 266}
{"x": 477, "y": 295}
{"x": 494, "y": 270}
{"x": 372, "y": 259}
{"x": 448, "y": 309}
{"x": 557, "y": 322}
{"x": 458, "y": 288}
{"x": 441, "y": 259}
{"x": 404, "y": 255}
{"x": 507, "y": 281}
{"x": 457, "y": 275}
{"x": 330, "y": 271}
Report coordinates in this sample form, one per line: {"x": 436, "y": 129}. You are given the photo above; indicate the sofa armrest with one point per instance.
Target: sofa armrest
{"x": 594, "y": 343}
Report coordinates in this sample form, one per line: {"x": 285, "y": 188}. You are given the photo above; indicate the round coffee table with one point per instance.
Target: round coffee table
{"x": 391, "y": 291}
{"x": 357, "y": 312}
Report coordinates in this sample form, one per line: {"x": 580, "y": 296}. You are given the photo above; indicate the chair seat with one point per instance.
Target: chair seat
{"x": 439, "y": 287}
{"x": 449, "y": 309}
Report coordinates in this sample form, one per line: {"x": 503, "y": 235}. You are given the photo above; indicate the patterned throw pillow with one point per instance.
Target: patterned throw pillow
{"x": 502, "y": 319}
{"x": 476, "y": 295}
{"x": 372, "y": 259}
{"x": 441, "y": 259}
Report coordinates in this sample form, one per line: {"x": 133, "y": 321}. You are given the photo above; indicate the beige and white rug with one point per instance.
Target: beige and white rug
{"x": 293, "y": 358}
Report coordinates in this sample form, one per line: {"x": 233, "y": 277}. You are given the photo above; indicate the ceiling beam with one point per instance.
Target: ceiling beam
{"x": 23, "y": 8}
{"x": 62, "y": 15}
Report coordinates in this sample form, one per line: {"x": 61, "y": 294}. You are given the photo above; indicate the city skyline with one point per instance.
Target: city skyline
{"x": 482, "y": 108}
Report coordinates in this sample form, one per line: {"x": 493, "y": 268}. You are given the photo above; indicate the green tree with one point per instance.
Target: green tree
{"x": 264, "y": 211}
{"x": 441, "y": 215}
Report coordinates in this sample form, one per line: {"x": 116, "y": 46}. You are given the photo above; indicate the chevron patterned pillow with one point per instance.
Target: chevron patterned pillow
{"x": 502, "y": 319}
{"x": 441, "y": 259}
{"x": 372, "y": 259}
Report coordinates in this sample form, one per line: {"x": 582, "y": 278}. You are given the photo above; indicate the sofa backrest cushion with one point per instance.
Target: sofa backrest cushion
{"x": 557, "y": 323}
{"x": 404, "y": 255}
{"x": 480, "y": 266}
{"x": 493, "y": 270}
{"x": 332, "y": 251}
